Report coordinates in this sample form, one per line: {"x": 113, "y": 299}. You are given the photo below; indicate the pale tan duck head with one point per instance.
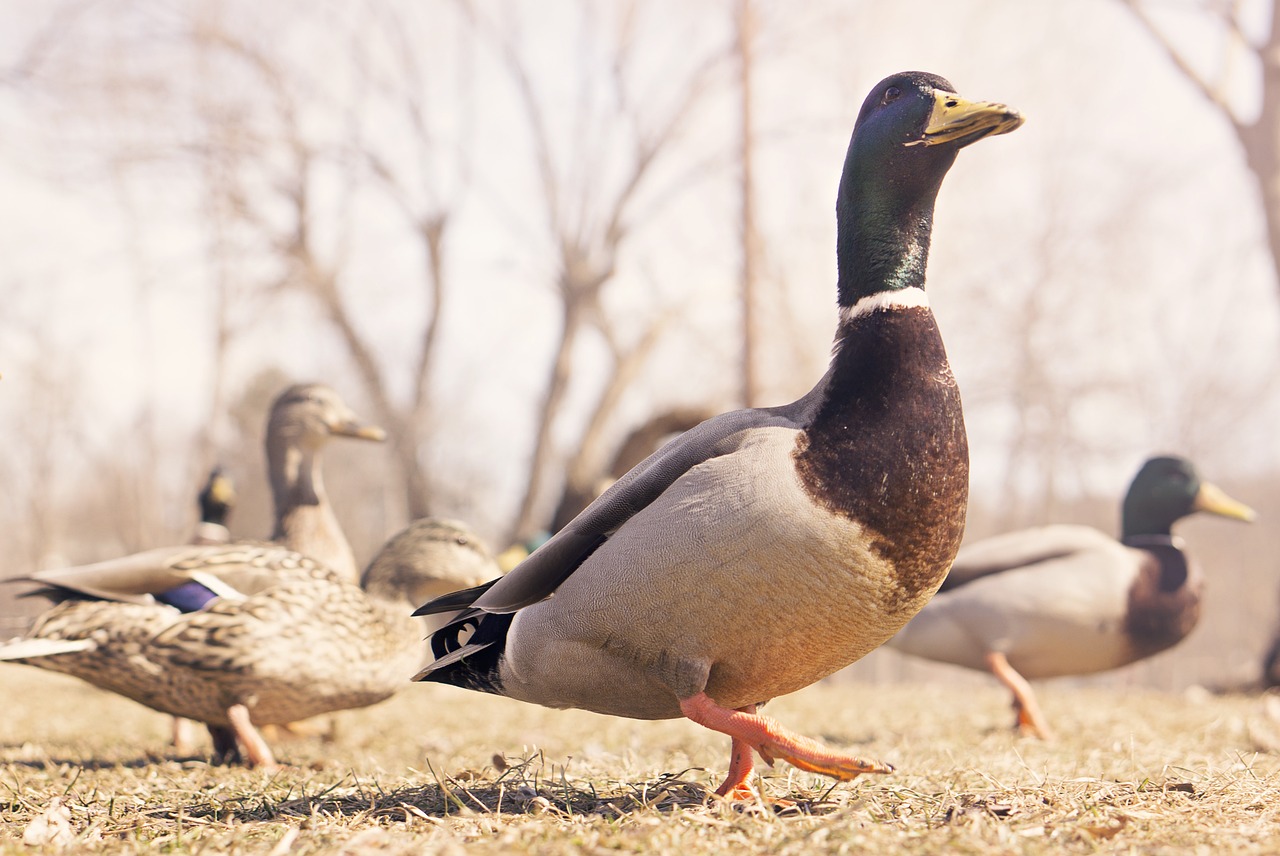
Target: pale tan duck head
{"x": 303, "y": 419}
{"x": 429, "y": 558}
{"x": 308, "y": 415}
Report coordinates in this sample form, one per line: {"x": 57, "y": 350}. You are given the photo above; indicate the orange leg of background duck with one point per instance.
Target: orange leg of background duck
{"x": 1030, "y": 720}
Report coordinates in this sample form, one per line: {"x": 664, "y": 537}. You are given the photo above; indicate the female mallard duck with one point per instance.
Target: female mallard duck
{"x": 285, "y": 639}
{"x": 765, "y": 549}
{"x": 1069, "y": 600}
{"x": 303, "y": 419}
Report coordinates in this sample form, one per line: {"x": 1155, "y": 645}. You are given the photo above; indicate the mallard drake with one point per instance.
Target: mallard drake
{"x": 765, "y": 549}
{"x": 1070, "y": 600}
{"x": 286, "y": 638}
{"x": 215, "y": 501}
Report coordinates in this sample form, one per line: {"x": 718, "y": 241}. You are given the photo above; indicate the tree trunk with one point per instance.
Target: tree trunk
{"x": 1261, "y": 143}
{"x": 1260, "y": 138}
{"x": 750, "y": 235}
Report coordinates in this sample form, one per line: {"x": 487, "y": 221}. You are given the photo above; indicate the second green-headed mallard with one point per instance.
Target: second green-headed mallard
{"x": 1070, "y": 600}
{"x": 765, "y": 549}
{"x": 284, "y": 639}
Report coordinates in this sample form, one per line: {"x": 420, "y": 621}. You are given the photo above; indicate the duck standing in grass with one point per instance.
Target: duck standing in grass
{"x": 1070, "y": 600}
{"x": 765, "y": 549}
{"x": 285, "y": 638}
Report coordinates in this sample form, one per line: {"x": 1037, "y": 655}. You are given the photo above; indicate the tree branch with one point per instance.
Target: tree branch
{"x": 1176, "y": 57}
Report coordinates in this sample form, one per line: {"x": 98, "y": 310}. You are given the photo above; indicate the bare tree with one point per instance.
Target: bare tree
{"x": 1046, "y": 446}
{"x": 590, "y": 219}
{"x": 749, "y": 230}
{"x": 389, "y": 72}
{"x": 1259, "y": 135}
{"x": 48, "y": 431}
{"x": 281, "y": 189}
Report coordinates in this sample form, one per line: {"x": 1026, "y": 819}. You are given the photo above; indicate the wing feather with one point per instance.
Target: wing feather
{"x": 1014, "y": 550}
{"x": 551, "y": 564}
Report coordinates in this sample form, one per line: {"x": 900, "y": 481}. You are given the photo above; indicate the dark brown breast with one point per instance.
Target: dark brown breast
{"x": 1164, "y": 600}
{"x": 887, "y": 447}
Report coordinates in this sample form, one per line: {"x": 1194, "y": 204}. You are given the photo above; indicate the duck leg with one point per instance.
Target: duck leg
{"x": 183, "y": 741}
{"x": 257, "y": 750}
{"x": 1030, "y": 721}
{"x": 741, "y": 765}
{"x": 752, "y": 731}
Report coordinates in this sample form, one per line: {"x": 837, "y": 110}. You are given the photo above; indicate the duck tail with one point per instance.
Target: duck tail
{"x": 467, "y": 650}
{"x": 30, "y": 649}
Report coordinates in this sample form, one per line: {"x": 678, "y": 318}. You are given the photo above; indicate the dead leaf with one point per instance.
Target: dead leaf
{"x": 1107, "y": 832}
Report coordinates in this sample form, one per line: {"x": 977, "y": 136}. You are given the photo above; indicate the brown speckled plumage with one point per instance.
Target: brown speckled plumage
{"x": 288, "y": 638}
{"x": 307, "y": 644}
{"x": 888, "y": 449}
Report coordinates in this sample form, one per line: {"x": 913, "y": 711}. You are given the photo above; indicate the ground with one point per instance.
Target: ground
{"x": 439, "y": 770}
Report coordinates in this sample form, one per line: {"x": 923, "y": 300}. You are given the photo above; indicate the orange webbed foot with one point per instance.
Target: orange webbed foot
{"x": 751, "y": 731}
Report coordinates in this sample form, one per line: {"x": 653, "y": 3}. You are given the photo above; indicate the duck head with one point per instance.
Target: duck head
{"x": 906, "y": 137}
{"x": 309, "y": 414}
{"x": 1168, "y": 488}
{"x": 428, "y": 558}
{"x": 217, "y": 498}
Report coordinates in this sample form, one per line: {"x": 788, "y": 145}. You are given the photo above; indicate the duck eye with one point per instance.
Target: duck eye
{"x": 891, "y": 94}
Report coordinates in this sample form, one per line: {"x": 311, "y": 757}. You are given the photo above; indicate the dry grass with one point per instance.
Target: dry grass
{"x": 439, "y": 770}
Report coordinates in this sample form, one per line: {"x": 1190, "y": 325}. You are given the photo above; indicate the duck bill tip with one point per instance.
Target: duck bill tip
{"x": 961, "y": 122}
{"x": 362, "y": 432}
{"x": 1211, "y": 499}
